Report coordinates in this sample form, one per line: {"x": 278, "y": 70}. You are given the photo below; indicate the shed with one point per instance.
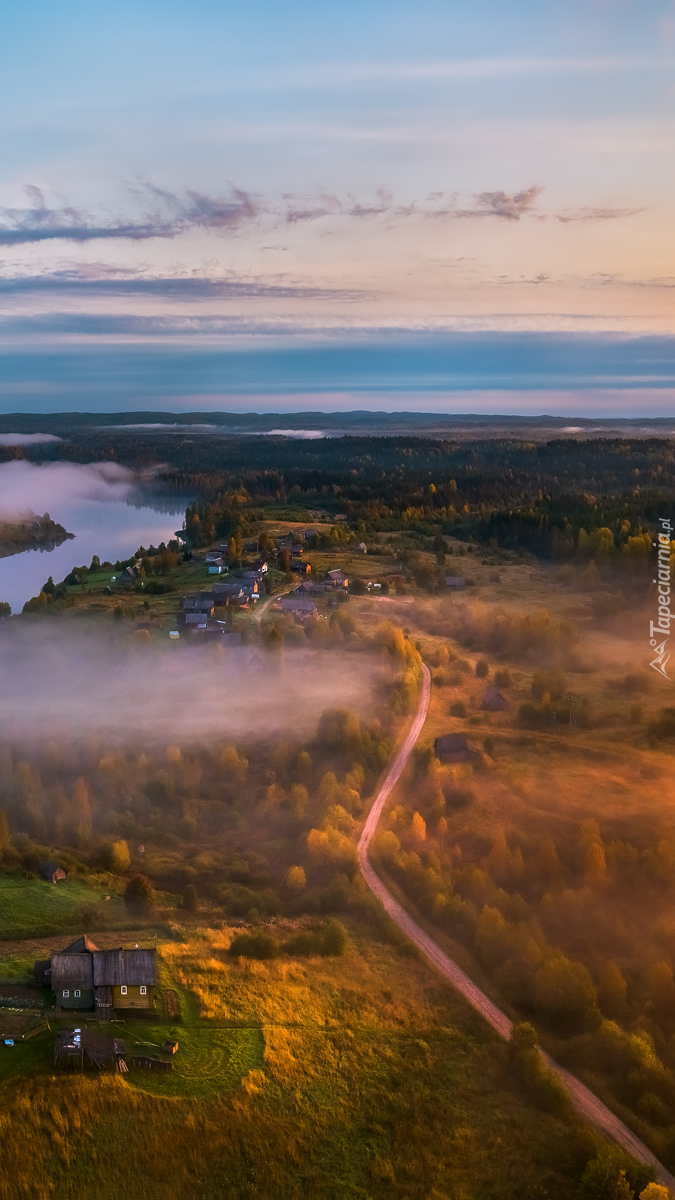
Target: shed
{"x": 453, "y": 747}
{"x": 52, "y": 871}
{"x": 88, "y": 1048}
{"x": 457, "y": 582}
{"x": 493, "y": 700}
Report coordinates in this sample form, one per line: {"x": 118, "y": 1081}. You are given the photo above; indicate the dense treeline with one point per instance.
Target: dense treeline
{"x": 594, "y": 499}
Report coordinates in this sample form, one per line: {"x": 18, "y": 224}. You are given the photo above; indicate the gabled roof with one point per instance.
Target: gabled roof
{"x": 115, "y": 967}
{"x": 451, "y": 743}
{"x": 81, "y": 946}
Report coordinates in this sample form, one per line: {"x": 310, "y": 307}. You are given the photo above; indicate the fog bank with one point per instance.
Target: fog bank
{"x": 26, "y": 488}
{"x": 64, "y": 682}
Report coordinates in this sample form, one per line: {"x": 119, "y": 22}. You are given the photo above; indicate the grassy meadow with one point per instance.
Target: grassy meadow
{"x": 359, "y": 1076}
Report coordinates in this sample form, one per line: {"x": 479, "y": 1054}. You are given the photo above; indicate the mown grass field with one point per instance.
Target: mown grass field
{"x": 33, "y": 907}
{"x": 362, "y": 1076}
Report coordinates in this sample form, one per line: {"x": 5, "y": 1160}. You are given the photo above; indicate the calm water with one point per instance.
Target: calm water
{"x": 113, "y": 529}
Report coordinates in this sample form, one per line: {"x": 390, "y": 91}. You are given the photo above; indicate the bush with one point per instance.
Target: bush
{"x": 537, "y": 1080}
{"x": 116, "y": 857}
{"x": 529, "y": 715}
{"x": 139, "y": 895}
{"x": 335, "y": 939}
{"x": 482, "y": 669}
{"x": 614, "y": 1175}
{"x": 304, "y": 944}
{"x": 254, "y": 945}
{"x": 502, "y": 678}
{"x": 190, "y": 898}
{"x": 457, "y": 708}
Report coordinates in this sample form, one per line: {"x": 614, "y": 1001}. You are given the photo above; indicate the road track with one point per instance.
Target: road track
{"x": 583, "y": 1099}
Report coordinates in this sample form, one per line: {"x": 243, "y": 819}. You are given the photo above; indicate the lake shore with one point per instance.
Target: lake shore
{"x": 34, "y": 533}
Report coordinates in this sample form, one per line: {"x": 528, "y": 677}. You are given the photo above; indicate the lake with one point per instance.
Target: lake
{"x": 111, "y": 528}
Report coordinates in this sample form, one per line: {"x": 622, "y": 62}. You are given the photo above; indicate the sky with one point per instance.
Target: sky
{"x": 440, "y": 205}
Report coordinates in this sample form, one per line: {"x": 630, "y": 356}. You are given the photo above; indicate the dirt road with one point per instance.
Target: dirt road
{"x": 586, "y": 1103}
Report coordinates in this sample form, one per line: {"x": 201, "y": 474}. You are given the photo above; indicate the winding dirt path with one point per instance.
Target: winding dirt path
{"x": 586, "y": 1103}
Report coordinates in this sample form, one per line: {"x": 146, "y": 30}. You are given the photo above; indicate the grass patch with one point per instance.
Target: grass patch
{"x": 33, "y": 907}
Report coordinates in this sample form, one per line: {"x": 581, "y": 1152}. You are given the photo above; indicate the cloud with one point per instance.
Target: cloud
{"x": 509, "y": 207}
{"x": 27, "y": 439}
{"x": 597, "y": 214}
{"x": 165, "y": 215}
{"x": 26, "y": 488}
{"x": 103, "y": 280}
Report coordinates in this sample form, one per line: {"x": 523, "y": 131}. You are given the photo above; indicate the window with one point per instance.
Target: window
{"x": 77, "y": 993}
{"x": 66, "y": 993}
{"x": 123, "y": 989}
{"x": 144, "y": 990}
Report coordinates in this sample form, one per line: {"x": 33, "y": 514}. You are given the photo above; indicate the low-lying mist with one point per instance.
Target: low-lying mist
{"x": 67, "y": 682}
{"x": 27, "y": 488}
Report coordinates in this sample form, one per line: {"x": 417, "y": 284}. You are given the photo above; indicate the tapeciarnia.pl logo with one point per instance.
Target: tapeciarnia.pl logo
{"x": 662, "y": 624}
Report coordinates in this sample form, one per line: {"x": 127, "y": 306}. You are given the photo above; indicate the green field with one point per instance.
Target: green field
{"x": 33, "y": 907}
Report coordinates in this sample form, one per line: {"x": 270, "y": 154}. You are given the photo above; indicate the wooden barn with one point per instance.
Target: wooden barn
{"x": 452, "y": 748}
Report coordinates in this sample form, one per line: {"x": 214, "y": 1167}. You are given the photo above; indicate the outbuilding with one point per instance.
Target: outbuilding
{"x": 493, "y": 700}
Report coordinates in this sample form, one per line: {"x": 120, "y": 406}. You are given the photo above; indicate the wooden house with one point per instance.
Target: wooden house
{"x": 337, "y": 579}
{"x": 493, "y": 701}
{"x": 452, "y": 748}
{"x": 84, "y": 977}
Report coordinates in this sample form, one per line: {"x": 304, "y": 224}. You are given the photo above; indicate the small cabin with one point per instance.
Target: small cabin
{"x": 493, "y": 701}
{"x": 453, "y": 748}
{"x": 456, "y": 582}
{"x": 52, "y": 871}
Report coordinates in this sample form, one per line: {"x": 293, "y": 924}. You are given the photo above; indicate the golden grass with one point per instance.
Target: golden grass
{"x": 376, "y": 1081}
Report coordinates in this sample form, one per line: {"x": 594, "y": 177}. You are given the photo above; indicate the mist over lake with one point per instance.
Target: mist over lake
{"x": 105, "y": 506}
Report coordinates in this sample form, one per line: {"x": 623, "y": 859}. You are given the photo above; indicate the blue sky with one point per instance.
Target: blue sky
{"x": 300, "y": 187}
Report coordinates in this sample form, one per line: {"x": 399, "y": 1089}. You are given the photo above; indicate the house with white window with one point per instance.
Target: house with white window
{"x": 108, "y": 981}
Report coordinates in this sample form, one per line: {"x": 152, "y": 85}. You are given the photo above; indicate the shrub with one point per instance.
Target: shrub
{"x": 139, "y": 895}
{"x": 296, "y": 880}
{"x": 614, "y": 1175}
{"x": 304, "y": 944}
{"x": 190, "y": 898}
{"x": 116, "y": 857}
{"x": 482, "y": 669}
{"x": 335, "y": 939}
{"x": 529, "y": 715}
{"x": 531, "y": 1071}
{"x": 502, "y": 677}
{"x": 254, "y": 945}
{"x": 457, "y": 708}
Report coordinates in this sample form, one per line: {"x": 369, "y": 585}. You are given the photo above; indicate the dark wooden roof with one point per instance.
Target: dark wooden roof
{"x": 451, "y": 743}
{"x": 132, "y": 967}
{"x": 72, "y": 971}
